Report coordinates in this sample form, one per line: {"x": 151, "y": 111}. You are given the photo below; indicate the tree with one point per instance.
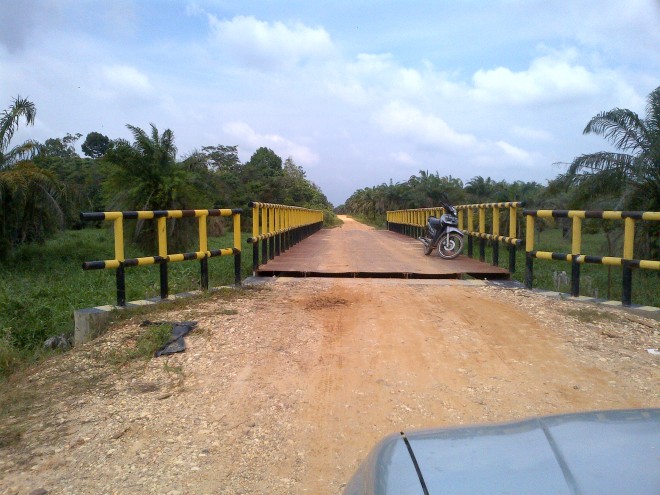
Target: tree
{"x": 95, "y": 145}
{"x": 60, "y": 147}
{"x": 631, "y": 175}
{"x": 21, "y": 107}
{"x": 145, "y": 175}
{"x": 259, "y": 176}
{"x": 29, "y": 195}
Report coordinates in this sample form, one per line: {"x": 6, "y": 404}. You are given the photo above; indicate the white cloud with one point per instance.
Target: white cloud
{"x": 283, "y": 147}
{"x": 548, "y": 78}
{"x": 514, "y": 153}
{"x": 425, "y": 129}
{"x": 125, "y": 79}
{"x": 532, "y": 134}
{"x": 263, "y": 45}
{"x": 403, "y": 157}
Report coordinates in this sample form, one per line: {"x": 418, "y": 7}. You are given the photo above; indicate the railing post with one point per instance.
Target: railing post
{"x": 576, "y": 247}
{"x": 119, "y": 255}
{"x": 575, "y": 276}
{"x": 626, "y": 292}
{"x": 482, "y": 230}
{"x": 512, "y": 258}
{"x": 237, "y": 247}
{"x": 203, "y": 248}
{"x": 278, "y": 236}
{"x": 271, "y": 230}
{"x": 529, "y": 270}
{"x": 121, "y": 285}
{"x": 496, "y": 233}
{"x": 161, "y": 226}
{"x": 628, "y": 254}
{"x": 204, "y": 273}
{"x": 529, "y": 247}
{"x": 255, "y": 236}
{"x": 513, "y": 223}
{"x": 264, "y": 230}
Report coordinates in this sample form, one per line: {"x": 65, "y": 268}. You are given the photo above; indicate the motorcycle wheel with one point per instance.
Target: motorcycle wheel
{"x": 450, "y": 246}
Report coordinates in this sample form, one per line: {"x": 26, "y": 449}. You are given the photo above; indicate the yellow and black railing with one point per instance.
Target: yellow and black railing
{"x": 627, "y": 261}
{"x": 412, "y": 222}
{"x": 120, "y": 262}
{"x": 490, "y": 217}
{"x": 278, "y": 227}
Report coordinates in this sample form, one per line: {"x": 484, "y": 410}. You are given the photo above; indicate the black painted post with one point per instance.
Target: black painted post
{"x": 496, "y": 253}
{"x": 164, "y": 284}
{"x": 121, "y": 286}
{"x": 237, "y": 267}
{"x": 482, "y": 249}
{"x": 575, "y": 277}
{"x": 271, "y": 248}
{"x": 512, "y": 258}
{"x": 204, "y": 265}
{"x": 470, "y": 246}
{"x": 264, "y": 251}
{"x": 626, "y": 293}
{"x": 255, "y": 256}
{"x": 529, "y": 270}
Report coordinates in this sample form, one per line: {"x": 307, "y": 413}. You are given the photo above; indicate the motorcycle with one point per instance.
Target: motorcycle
{"x": 443, "y": 233}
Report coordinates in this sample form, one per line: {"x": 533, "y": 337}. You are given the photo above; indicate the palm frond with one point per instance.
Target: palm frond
{"x": 26, "y": 151}
{"x": 21, "y": 107}
{"x": 621, "y": 127}
{"x": 602, "y": 161}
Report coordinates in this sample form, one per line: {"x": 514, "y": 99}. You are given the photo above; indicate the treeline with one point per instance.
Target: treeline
{"x": 426, "y": 189}
{"x": 45, "y": 186}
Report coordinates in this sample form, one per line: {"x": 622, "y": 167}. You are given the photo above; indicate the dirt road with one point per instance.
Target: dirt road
{"x": 285, "y": 389}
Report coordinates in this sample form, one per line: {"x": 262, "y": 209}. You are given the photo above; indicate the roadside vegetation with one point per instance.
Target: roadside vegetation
{"x": 42, "y": 284}
{"x": 45, "y": 186}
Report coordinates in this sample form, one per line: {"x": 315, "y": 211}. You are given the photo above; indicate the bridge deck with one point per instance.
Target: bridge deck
{"x": 355, "y": 250}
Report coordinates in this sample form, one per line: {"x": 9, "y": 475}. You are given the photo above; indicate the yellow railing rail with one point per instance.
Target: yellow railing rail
{"x": 413, "y": 221}
{"x": 576, "y": 257}
{"x": 163, "y": 258}
{"x": 278, "y": 227}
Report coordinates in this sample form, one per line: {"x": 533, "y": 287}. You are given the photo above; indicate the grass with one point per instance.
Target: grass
{"x": 41, "y": 286}
{"x": 150, "y": 339}
{"x": 377, "y": 223}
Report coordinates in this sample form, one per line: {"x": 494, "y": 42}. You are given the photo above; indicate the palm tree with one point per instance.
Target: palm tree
{"x": 145, "y": 175}
{"x": 21, "y": 107}
{"x": 633, "y": 174}
{"x": 29, "y": 195}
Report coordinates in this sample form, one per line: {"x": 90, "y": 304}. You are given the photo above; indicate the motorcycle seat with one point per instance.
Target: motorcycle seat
{"x": 434, "y": 222}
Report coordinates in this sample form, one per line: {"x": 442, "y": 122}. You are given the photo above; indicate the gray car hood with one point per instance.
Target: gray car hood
{"x": 607, "y": 452}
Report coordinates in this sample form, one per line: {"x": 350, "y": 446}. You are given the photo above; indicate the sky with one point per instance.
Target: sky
{"x": 358, "y": 93}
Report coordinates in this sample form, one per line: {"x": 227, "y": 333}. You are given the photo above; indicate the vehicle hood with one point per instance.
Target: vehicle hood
{"x": 607, "y": 452}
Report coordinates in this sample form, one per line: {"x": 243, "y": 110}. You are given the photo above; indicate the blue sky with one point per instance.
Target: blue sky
{"x": 357, "y": 92}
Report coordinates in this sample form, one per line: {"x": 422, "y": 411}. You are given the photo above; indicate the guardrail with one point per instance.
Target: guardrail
{"x": 120, "y": 262}
{"x": 627, "y": 261}
{"x": 512, "y": 240}
{"x": 412, "y": 222}
{"x": 278, "y": 227}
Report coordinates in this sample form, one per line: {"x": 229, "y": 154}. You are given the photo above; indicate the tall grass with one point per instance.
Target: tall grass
{"x": 41, "y": 286}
